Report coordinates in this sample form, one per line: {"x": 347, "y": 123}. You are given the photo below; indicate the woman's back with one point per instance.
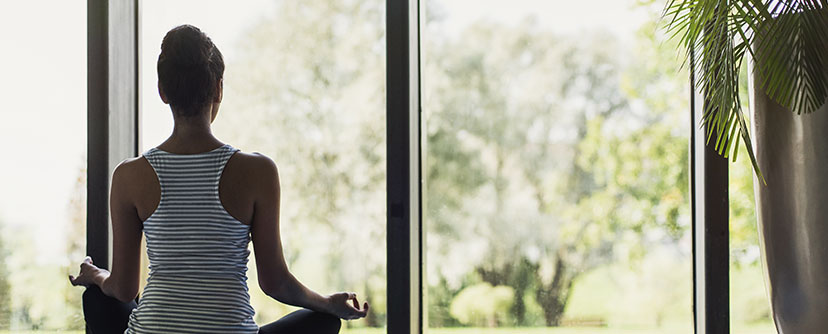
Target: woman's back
{"x": 197, "y": 251}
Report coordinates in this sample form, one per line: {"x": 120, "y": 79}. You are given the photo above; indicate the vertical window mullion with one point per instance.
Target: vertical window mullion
{"x": 112, "y": 70}
{"x": 710, "y": 224}
{"x": 404, "y": 226}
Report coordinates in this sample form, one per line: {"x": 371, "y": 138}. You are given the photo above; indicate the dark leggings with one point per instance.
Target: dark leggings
{"x": 108, "y": 315}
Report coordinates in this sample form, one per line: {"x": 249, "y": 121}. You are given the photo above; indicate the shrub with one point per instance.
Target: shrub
{"x": 482, "y": 305}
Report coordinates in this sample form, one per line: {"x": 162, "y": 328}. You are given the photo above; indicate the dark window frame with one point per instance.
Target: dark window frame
{"x": 710, "y": 223}
{"x": 113, "y": 110}
{"x": 404, "y": 160}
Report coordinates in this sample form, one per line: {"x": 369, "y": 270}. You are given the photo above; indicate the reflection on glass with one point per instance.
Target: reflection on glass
{"x": 43, "y": 169}
{"x": 304, "y": 85}
{"x": 556, "y": 162}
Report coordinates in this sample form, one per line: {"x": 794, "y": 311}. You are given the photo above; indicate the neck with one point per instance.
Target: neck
{"x": 191, "y": 127}
{"x": 191, "y": 134}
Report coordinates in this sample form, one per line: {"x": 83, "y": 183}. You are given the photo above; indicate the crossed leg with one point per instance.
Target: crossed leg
{"x": 107, "y": 315}
{"x": 303, "y": 321}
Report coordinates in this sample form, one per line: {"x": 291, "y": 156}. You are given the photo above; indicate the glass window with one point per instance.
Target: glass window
{"x": 43, "y": 169}
{"x": 749, "y": 304}
{"x": 556, "y": 168}
{"x": 304, "y": 84}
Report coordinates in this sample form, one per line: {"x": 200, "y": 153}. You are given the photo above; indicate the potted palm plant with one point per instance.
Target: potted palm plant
{"x": 785, "y": 43}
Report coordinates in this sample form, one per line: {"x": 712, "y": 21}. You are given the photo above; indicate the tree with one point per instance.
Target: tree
{"x": 548, "y": 190}
{"x": 508, "y": 112}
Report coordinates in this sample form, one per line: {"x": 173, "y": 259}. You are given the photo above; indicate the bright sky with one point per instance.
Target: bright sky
{"x": 43, "y": 126}
{"x": 43, "y": 86}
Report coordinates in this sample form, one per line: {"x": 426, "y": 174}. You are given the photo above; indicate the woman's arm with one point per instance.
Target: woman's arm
{"x": 274, "y": 277}
{"x": 122, "y": 281}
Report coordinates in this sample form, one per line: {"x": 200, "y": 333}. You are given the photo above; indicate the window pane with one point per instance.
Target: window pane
{"x": 557, "y": 168}
{"x": 749, "y": 304}
{"x": 304, "y": 85}
{"x": 43, "y": 169}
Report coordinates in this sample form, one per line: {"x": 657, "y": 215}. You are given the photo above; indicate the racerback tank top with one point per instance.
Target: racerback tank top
{"x": 197, "y": 252}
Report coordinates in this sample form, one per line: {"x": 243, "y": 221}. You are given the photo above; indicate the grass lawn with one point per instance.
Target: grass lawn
{"x": 757, "y": 329}
{"x": 754, "y": 329}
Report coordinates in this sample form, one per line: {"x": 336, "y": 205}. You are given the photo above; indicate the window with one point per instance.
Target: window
{"x": 749, "y": 305}
{"x": 554, "y": 159}
{"x": 304, "y": 85}
{"x": 43, "y": 170}
{"x": 556, "y": 168}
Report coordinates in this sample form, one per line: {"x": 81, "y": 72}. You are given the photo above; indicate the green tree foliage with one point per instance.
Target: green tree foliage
{"x": 571, "y": 158}
{"x": 503, "y": 92}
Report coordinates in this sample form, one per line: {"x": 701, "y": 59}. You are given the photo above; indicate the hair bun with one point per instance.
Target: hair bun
{"x": 189, "y": 68}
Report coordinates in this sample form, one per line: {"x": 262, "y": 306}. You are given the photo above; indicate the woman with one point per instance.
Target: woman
{"x": 199, "y": 202}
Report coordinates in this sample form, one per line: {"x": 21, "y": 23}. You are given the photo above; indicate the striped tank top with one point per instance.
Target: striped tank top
{"x": 197, "y": 252}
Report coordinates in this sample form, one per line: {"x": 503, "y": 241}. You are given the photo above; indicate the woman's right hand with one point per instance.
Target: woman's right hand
{"x": 346, "y": 306}
{"x": 89, "y": 274}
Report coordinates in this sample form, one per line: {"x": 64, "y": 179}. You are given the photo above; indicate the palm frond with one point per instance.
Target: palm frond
{"x": 790, "y": 58}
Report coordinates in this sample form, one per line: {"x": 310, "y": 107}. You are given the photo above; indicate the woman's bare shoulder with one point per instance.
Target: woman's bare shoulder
{"x": 253, "y": 163}
{"x": 134, "y": 182}
{"x": 255, "y": 170}
{"x": 131, "y": 168}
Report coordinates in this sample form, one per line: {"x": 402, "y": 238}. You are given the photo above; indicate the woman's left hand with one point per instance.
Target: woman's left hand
{"x": 346, "y": 306}
{"x": 89, "y": 274}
